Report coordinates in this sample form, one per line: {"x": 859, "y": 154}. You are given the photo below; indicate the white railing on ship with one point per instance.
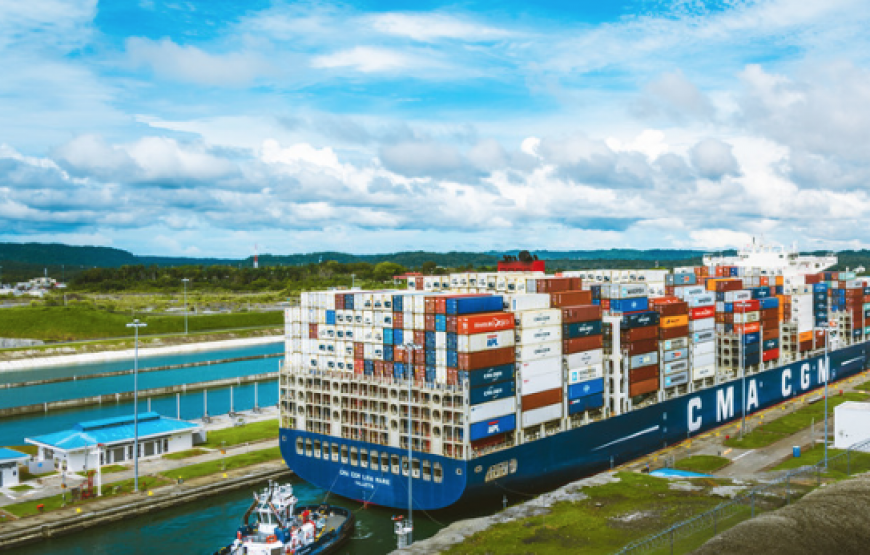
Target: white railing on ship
{"x": 380, "y": 380}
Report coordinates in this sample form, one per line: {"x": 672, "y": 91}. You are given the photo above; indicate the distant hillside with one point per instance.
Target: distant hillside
{"x": 620, "y": 254}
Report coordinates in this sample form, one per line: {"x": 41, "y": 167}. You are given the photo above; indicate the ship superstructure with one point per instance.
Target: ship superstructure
{"x": 521, "y": 378}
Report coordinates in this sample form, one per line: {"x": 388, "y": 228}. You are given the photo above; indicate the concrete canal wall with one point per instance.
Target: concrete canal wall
{"x": 34, "y": 529}
{"x": 14, "y": 385}
{"x": 105, "y": 356}
{"x": 144, "y": 393}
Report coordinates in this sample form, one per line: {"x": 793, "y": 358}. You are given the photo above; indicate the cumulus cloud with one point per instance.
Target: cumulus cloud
{"x": 674, "y": 96}
{"x": 714, "y": 159}
{"x": 191, "y": 64}
{"x": 425, "y": 158}
{"x": 588, "y": 161}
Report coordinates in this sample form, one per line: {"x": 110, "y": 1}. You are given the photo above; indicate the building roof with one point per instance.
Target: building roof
{"x": 112, "y": 430}
{"x": 10, "y": 455}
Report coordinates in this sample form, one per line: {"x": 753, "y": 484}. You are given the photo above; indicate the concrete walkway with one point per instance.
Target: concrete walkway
{"x": 52, "y": 485}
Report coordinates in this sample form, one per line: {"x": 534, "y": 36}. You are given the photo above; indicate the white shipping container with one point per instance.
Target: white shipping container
{"x": 747, "y": 318}
{"x": 528, "y": 336}
{"x": 734, "y": 296}
{"x": 485, "y": 341}
{"x": 577, "y": 375}
{"x": 583, "y": 358}
{"x": 628, "y": 291}
{"x": 704, "y": 360}
{"x": 490, "y": 410}
{"x": 703, "y": 324}
{"x": 541, "y": 415}
{"x": 419, "y": 322}
{"x": 707, "y": 299}
{"x": 440, "y": 340}
{"x": 539, "y": 351}
{"x": 541, "y": 382}
{"x": 537, "y": 367}
{"x": 538, "y": 301}
{"x": 675, "y": 354}
{"x": 539, "y": 318}
{"x": 699, "y": 373}
{"x": 703, "y": 348}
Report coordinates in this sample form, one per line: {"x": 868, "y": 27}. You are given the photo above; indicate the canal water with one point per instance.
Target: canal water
{"x": 201, "y": 527}
{"x": 14, "y": 429}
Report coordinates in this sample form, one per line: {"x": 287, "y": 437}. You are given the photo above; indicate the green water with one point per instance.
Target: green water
{"x": 203, "y": 526}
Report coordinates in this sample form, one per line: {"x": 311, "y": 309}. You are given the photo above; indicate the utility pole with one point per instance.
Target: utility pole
{"x": 136, "y": 325}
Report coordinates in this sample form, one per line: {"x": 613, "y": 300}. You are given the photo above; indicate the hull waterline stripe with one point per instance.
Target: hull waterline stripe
{"x": 626, "y": 438}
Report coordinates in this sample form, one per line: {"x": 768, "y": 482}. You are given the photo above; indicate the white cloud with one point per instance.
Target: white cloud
{"x": 713, "y": 159}
{"x": 673, "y": 95}
{"x": 368, "y": 59}
{"x": 188, "y": 63}
{"x": 427, "y": 27}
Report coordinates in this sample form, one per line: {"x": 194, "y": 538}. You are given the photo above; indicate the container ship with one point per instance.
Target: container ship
{"x": 516, "y": 381}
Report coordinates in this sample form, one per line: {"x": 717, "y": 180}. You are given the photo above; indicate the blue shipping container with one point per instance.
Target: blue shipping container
{"x": 440, "y": 322}
{"x": 629, "y": 305}
{"x": 639, "y": 320}
{"x": 430, "y": 339}
{"x": 751, "y": 338}
{"x": 491, "y": 375}
{"x": 819, "y": 287}
{"x": 452, "y": 359}
{"x": 473, "y": 305}
{"x": 583, "y": 389}
{"x": 582, "y": 404}
{"x": 330, "y": 317}
{"x": 388, "y": 353}
{"x": 388, "y": 336}
{"x": 397, "y": 303}
{"x": 348, "y": 302}
{"x": 770, "y": 302}
{"x": 398, "y": 336}
{"x": 452, "y": 342}
{"x": 581, "y": 329}
{"x": 771, "y": 344}
{"x": 493, "y": 392}
{"x": 488, "y": 428}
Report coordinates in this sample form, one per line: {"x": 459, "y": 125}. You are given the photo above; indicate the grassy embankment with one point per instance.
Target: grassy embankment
{"x": 81, "y": 323}
{"x": 703, "y": 464}
{"x": 29, "y": 508}
{"x": 612, "y": 515}
{"x": 178, "y": 455}
{"x": 225, "y": 464}
{"x": 784, "y": 426}
{"x": 255, "y": 431}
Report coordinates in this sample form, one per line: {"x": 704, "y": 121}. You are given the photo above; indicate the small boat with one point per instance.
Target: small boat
{"x": 282, "y": 527}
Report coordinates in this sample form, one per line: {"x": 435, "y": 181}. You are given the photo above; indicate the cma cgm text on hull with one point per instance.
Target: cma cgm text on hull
{"x": 519, "y": 376}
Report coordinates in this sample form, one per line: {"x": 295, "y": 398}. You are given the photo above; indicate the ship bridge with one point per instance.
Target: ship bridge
{"x": 775, "y": 259}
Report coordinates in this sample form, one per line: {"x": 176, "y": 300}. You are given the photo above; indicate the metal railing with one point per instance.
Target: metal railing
{"x": 787, "y": 487}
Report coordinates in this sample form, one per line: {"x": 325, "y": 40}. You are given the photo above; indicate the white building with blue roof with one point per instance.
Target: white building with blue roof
{"x": 9, "y": 461}
{"x": 110, "y": 441}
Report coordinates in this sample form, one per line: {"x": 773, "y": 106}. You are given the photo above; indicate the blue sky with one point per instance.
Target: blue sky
{"x": 205, "y": 127}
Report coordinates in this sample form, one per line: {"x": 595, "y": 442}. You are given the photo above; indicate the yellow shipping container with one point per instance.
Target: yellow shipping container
{"x": 674, "y": 321}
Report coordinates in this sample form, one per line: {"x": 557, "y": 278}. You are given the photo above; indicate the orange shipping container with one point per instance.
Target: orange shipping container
{"x": 570, "y": 298}
{"x": 482, "y": 359}
{"x": 542, "y": 399}
{"x": 486, "y": 322}
{"x": 674, "y": 321}
{"x": 805, "y": 336}
{"x": 643, "y": 374}
{"x": 640, "y": 388}
{"x": 779, "y": 280}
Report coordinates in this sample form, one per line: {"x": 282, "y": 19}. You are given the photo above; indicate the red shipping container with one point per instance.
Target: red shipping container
{"x": 812, "y": 279}
{"x": 553, "y": 284}
{"x": 488, "y": 441}
{"x": 430, "y": 305}
{"x": 741, "y": 307}
{"x": 388, "y": 368}
{"x": 482, "y": 323}
{"x": 752, "y": 327}
{"x": 418, "y": 283}
{"x": 398, "y": 319}
{"x": 379, "y": 367}
{"x": 482, "y": 359}
{"x": 312, "y": 331}
{"x": 339, "y": 301}
{"x": 805, "y": 346}
{"x": 358, "y": 366}
{"x": 570, "y": 298}
{"x": 668, "y": 299}
{"x": 452, "y": 376}
{"x": 359, "y": 350}
{"x": 605, "y": 304}
{"x": 770, "y": 355}
{"x": 644, "y": 373}
{"x": 429, "y": 320}
{"x": 419, "y": 337}
{"x": 584, "y": 313}
{"x": 641, "y": 388}
{"x": 770, "y": 333}
{"x": 729, "y": 285}
{"x": 767, "y": 313}
{"x": 451, "y": 326}
{"x": 702, "y": 312}
{"x": 642, "y": 346}
{"x": 636, "y": 334}
{"x": 672, "y": 309}
{"x": 673, "y": 333}
{"x": 570, "y": 346}
{"x": 770, "y": 323}
{"x": 419, "y": 356}
{"x": 542, "y": 399}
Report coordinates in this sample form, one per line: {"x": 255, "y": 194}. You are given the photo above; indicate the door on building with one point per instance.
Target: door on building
{"x": 149, "y": 448}
{"x": 118, "y": 454}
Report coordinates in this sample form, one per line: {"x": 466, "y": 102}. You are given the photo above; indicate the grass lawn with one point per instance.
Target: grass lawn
{"x": 184, "y": 454}
{"x": 614, "y": 514}
{"x": 222, "y": 465}
{"x": 26, "y": 449}
{"x": 784, "y": 426}
{"x": 864, "y": 386}
{"x": 837, "y": 467}
{"x": 29, "y": 508}
{"x": 254, "y": 431}
{"x": 25, "y": 475}
{"x": 702, "y": 463}
{"x": 82, "y": 322}
{"x": 21, "y": 487}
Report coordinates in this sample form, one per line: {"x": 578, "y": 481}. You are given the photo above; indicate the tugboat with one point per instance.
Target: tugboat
{"x": 283, "y": 527}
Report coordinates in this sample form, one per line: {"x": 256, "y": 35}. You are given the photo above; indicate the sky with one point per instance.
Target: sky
{"x": 217, "y": 127}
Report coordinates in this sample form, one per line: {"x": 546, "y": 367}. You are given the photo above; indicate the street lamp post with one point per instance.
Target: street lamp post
{"x": 185, "y": 280}
{"x": 136, "y": 324}
{"x": 827, "y": 373}
{"x": 743, "y": 369}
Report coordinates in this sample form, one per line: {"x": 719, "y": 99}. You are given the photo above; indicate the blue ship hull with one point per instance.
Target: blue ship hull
{"x": 575, "y": 453}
